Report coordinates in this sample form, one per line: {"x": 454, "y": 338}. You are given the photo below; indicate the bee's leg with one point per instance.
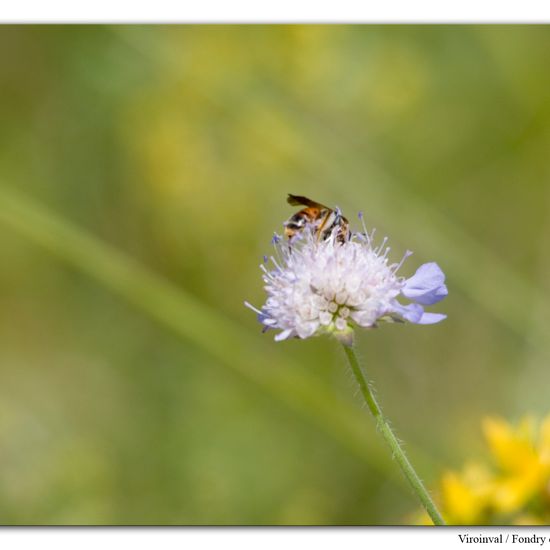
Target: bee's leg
{"x": 322, "y": 231}
{"x": 289, "y": 241}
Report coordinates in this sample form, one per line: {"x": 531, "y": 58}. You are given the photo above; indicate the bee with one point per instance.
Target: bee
{"x": 323, "y": 219}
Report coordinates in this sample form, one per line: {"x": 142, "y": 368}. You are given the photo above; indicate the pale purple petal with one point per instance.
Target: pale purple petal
{"x": 305, "y": 330}
{"x": 283, "y": 335}
{"x": 426, "y": 286}
{"x": 431, "y": 318}
{"x": 262, "y": 317}
{"x": 412, "y": 312}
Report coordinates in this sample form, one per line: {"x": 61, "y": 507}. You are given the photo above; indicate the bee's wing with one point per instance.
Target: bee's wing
{"x": 296, "y": 200}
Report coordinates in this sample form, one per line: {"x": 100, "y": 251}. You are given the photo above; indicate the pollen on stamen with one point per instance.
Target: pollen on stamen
{"x": 381, "y": 246}
{"x": 365, "y": 233}
{"x": 250, "y": 306}
{"x": 275, "y": 263}
{"x": 398, "y": 265}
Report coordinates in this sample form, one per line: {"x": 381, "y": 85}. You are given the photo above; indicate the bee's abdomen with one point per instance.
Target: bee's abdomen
{"x": 296, "y": 222}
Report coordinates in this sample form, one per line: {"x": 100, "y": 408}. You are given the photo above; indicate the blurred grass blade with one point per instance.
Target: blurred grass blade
{"x": 206, "y": 328}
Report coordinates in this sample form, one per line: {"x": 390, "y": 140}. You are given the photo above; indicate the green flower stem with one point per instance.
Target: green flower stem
{"x": 390, "y": 438}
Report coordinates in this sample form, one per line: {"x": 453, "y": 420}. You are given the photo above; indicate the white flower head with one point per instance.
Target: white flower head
{"x": 329, "y": 287}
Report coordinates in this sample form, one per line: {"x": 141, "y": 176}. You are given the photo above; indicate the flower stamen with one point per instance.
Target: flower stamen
{"x": 329, "y": 286}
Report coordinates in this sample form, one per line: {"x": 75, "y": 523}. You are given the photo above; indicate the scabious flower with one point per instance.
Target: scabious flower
{"x": 326, "y": 286}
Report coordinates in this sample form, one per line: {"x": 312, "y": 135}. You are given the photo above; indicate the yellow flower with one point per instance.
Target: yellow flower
{"x": 514, "y": 489}
{"x": 467, "y": 496}
{"x": 523, "y": 460}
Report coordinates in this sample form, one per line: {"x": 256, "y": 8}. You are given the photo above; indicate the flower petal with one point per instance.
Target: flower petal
{"x": 306, "y": 329}
{"x": 283, "y": 335}
{"x": 431, "y": 318}
{"x": 412, "y": 312}
{"x": 262, "y": 317}
{"x": 426, "y": 286}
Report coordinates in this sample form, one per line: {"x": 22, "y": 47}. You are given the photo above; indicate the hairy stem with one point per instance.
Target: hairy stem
{"x": 390, "y": 438}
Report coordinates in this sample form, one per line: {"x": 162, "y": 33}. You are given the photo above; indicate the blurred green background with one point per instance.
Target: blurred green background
{"x": 143, "y": 170}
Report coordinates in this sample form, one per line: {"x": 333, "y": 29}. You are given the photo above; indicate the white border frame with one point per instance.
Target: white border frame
{"x": 281, "y": 11}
